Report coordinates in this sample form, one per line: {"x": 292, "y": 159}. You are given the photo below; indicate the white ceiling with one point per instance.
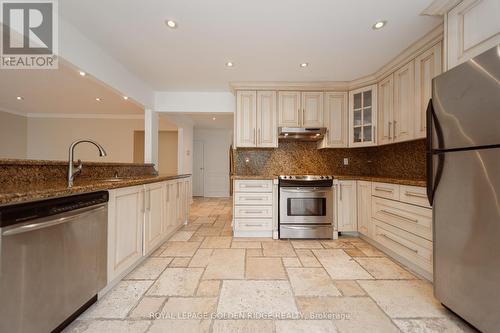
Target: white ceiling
{"x": 265, "y": 39}
{"x": 60, "y": 91}
{"x": 206, "y": 120}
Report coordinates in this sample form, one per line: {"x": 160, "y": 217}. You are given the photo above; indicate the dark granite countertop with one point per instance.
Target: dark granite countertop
{"x": 16, "y": 193}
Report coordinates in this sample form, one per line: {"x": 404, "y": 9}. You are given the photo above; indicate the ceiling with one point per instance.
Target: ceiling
{"x": 207, "y": 121}
{"x": 266, "y": 40}
{"x": 61, "y": 91}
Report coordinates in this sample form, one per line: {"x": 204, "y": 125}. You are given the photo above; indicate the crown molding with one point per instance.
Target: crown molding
{"x": 440, "y": 7}
{"x": 423, "y": 44}
{"x": 16, "y": 113}
{"x": 84, "y": 116}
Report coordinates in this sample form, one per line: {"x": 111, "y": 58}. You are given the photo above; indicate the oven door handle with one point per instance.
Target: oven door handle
{"x": 305, "y": 190}
{"x": 306, "y": 228}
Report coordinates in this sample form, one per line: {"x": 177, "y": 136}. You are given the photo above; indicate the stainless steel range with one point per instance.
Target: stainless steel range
{"x": 305, "y": 206}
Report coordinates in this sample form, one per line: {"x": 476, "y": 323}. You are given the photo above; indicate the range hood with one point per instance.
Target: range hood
{"x": 302, "y": 133}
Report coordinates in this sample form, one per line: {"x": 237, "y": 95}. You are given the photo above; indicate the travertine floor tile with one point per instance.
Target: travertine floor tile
{"x": 340, "y": 266}
{"x": 278, "y": 249}
{"x": 384, "y": 268}
{"x": 291, "y": 262}
{"x": 243, "y": 326}
{"x": 180, "y": 262}
{"x": 225, "y": 264}
{"x": 254, "y": 252}
{"x": 180, "y": 326}
{"x": 307, "y": 258}
{"x": 433, "y": 325}
{"x": 216, "y": 243}
{"x": 311, "y": 282}
{"x": 180, "y": 249}
{"x": 305, "y": 326}
{"x": 200, "y": 259}
{"x": 262, "y": 268}
{"x": 353, "y": 314}
{"x": 337, "y": 244}
{"x": 349, "y": 288}
{"x": 208, "y": 231}
{"x": 258, "y": 296}
{"x": 354, "y": 252}
{"x": 209, "y": 288}
{"x": 404, "y": 298}
{"x": 246, "y": 245}
{"x": 119, "y": 301}
{"x": 197, "y": 239}
{"x": 205, "y": 219}
{"x": 369, "y": 250}
{"x": 181, "y": 305}
{"x": 108, "y": 326}
{"x": 307, "y": 244}
{"x": 147, "y": 307}
{"x": 182, "y": 236}
{"x": 176, "y": 282}
{"x": 150, "y": 269}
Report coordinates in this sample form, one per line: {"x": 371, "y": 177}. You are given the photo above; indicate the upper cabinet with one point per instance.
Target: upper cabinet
{"x": 472, "y": 27}
{"x": 289, "y": 108}
{"x": 336, "y": 120}
{"x": 298, "y": 109}
{"x": 385, "y": 104}
{"x": 363, "y": 116}
{"x": 427, "y": 66}
{"x": 404, "y": 103}
{"x": 256, "y": 119}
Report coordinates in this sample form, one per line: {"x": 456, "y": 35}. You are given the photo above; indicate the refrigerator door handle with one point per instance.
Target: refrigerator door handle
{"x": 433, "y": 182}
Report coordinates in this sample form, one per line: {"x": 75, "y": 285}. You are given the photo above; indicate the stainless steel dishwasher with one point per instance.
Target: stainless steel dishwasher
{"x": 53, "y": 261}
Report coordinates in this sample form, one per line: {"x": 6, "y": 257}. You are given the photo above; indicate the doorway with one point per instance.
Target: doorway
{"x": 198, "y": 168}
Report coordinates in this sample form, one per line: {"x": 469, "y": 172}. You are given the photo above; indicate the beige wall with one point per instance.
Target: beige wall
{"x": 13, "y": 129}
{"x": 167, "y": 150}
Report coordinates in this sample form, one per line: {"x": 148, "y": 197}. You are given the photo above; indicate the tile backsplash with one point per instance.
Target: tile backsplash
{"x": 404, "y": 160}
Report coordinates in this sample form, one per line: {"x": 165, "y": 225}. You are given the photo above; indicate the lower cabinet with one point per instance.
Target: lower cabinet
{"x": 346, "y": 206}
{"x": 140, "y": 218}
{"x": 364, "y": 207}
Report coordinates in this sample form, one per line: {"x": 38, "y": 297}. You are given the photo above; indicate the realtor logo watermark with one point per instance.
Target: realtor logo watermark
{"x": 29, "y": 34}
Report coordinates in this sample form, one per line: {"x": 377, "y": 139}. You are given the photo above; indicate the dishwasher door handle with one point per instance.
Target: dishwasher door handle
{"x": 51, "y": 221}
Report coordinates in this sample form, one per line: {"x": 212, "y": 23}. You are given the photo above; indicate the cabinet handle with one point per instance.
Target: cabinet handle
{"x": 340, "y": 192}
{"x": 252, "y": 199}
{"x": 302, "y": 119}
{"x": 255, "y": 135}
{"x": 390, "y": 129}
{"x": 252, "y": 211}
{"x": 382, "y": 189}
{"x": 398, "y": 216}
{"x": 259, "y": 138}
{"x": 394, "y": 129}
{"x": 414, "y": 194}
{"x": 143, "y": 208}
{"x": 253, "y": 186}
{"x": 401, "y": 244}
{"x": 254, "y": 225}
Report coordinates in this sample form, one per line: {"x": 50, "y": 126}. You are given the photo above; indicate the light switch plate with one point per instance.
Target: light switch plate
{"x": 346, "y": 161}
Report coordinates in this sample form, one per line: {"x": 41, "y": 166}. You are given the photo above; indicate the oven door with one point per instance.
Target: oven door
{"x": 306, "y": 205}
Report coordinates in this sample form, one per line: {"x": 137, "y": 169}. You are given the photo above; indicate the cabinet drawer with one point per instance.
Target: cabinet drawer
{"x": 413, "y": 248}
{"x": 414, "y": 219}
{"x": 253, "y": 186}
{"x": 415, "y": 195}
{"x": 385, "y": 190}
{"x": 244, "y": 198}
{"x": 253, "y": 211}
{"x": 253, "y": 224}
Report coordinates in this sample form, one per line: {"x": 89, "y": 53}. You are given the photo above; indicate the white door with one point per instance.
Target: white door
{"x": 404, "y": 103}
{"x": 289, "y": 108}
{"x": 267, "y": 119}
{"x": 347, "y": 209}
{"x": 312, "y": 109}
{"x": 385, "y": 106}
{"x": 198, "y": 168}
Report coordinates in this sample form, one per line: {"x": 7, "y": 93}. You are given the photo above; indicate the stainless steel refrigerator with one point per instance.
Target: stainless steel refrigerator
{"x": 463, "y": 170}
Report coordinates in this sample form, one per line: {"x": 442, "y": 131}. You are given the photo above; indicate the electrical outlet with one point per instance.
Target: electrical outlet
{"x": 346, "y": 161}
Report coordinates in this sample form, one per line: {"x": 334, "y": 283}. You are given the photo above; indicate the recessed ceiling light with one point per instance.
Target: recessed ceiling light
{"x": 171, "y": 24}
{"x": 98, "y": 99}
{"x": 304, "y": 64}
{"x": 82, "y": 73}
{"x": 379, "y": 25}
{"x": 125, "y": 98}
{"x": 214, "y": 118}
{"x": 229, "y": 64}
{"x": 20, "y": 98}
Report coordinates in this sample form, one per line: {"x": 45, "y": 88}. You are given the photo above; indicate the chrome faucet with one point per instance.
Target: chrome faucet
{"x": 71, "y": 172}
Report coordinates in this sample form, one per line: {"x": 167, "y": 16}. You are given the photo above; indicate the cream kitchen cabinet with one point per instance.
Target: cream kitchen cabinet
{"x": 256, "y": 119}
{"x": 385, "y": 110}
{"x": 404, "y": 103}
{"x": 428, "y": 65}
{"x": 364, "y": 207}
{"x": 126, "y": 209}
{"x": 336, "y": 120}
{"x": 153, "y": 216}
{"x": 472, "y": 27}
{"x": 363, "y": 116}
{"x": 346, "y": 206}
{"x": 300, "y": 109}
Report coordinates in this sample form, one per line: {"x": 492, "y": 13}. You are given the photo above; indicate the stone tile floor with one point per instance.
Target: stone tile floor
{"x": 204, "y": 280}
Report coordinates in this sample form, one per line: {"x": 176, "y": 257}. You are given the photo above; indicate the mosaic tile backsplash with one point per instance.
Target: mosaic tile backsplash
{"x": 404, "y": 160}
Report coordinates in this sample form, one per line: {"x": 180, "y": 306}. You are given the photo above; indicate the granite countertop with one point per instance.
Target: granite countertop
{"x": 17, "y": 193}
{"x": 399, "y": 181}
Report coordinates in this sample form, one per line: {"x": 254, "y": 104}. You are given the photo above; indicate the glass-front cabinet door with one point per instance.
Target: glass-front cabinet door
{"x": 363, "y": 116}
